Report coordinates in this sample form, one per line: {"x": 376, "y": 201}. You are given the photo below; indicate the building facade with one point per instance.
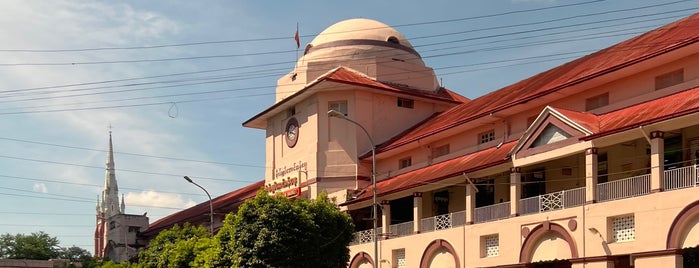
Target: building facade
{"x": 589, "y": 164}
{"x": 116, "y": 233}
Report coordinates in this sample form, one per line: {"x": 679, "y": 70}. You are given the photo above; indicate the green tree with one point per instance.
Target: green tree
{"x": 36, "y": 246}
{"x": 176, "y": 247}
{"x": 76, "y": 255}
{"x": 274, "y": 231}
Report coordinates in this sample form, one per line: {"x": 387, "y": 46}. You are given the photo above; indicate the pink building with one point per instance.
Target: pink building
{"x": 590, "y": 164}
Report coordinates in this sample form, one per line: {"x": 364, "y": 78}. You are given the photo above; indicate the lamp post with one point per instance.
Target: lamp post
{"x": 211, "y": 204}
{"x": 333, "y": 113}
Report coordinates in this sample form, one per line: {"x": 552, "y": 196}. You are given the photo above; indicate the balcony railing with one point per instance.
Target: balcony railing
{"x": 680, "y": 178}
{"x": 364, "y": 236}
{"x": 624, "y": 188}
{"x": 444, "y": 221}
{"x": 401, "y": 229}
{"x": 492, "y": 212}
{"x": 552, "y": 201}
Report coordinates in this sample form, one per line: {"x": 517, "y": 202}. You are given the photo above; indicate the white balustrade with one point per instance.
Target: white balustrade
{"x": 624, "y": 188}
{"x": 552, "y": 201}
{"x": 492, "y": 212}
{"x": 401, "y": 229}
{"x": 680, "y": 178}
{"x": 444, "y": 221}
{"x": 362, "y": 237}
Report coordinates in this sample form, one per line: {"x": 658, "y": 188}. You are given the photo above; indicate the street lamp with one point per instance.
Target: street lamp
{"x": 333, "y": 113}
{"x": 211, "y": 204}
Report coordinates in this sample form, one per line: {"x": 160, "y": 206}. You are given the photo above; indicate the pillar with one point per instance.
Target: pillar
{"x": 470, "y": 203}
{"x": 515, "y": 190}
{"x": 417, "y": 212}
{"x": 591, "y": 173}
{"x": 385, "y": 218}
{"x": 657, "y": 161}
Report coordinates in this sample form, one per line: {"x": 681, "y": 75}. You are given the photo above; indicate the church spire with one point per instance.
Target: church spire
{"x": 110, "y": 193}
{"x": 123, "y": 204}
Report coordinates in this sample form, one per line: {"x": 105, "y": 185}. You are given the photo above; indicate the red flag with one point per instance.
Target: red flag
{"x": 296, "y": 37}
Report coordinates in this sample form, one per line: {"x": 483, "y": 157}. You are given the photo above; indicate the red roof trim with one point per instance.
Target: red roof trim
{"x": 676, "y": 105}
{"x": 453, "y": 167}
{"x": 223, "y": 201}
{"x": 637, "y": 49}
{"x": 345, "y": 75}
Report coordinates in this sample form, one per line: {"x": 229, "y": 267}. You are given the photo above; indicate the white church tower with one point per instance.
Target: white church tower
{"x": 116, "y": 233}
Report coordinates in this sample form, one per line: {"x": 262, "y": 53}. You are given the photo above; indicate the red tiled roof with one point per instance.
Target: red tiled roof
{"x": 667, "y": 38}
{"x": 351, "y": 77}
{"x": 683, "y": 103}
{"x": 222, "y": 204}
{"x": 587, "y": 120}
{"x": 440, "y": 171}
{"x": 348, "y": 76}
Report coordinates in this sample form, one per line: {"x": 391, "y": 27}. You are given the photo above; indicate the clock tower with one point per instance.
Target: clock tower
{"x": 363, "y": 69}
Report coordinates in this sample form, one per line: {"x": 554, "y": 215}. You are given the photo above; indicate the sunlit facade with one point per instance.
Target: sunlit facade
{"x": 590, "y": 164}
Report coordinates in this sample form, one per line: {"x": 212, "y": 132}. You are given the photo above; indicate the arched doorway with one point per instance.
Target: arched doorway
{"x": 439, "y": 253}
{"x": 548, "y": 245}
{"x": 362, "y": 260}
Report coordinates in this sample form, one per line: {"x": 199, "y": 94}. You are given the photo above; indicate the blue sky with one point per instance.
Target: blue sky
{"x": 69, "y": 69}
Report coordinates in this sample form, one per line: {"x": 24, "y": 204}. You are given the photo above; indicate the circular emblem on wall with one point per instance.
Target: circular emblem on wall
{"x": 291, "y": 132}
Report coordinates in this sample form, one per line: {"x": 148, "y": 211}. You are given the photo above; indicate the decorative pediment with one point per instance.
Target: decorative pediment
{"x": 555, "y": 127}
{"x": 550, "y": 134}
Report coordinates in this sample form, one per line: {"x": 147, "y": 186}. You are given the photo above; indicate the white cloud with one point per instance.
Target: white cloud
{"x": 156, "y": 199}
{"x": 40, "y": 187}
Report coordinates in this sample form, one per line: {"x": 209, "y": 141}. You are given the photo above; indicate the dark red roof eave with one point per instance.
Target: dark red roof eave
{"x": 187, "y": 215}
{"x": 649, "y": 55}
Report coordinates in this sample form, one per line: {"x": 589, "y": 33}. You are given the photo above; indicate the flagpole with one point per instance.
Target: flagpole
{"x": 298, "y": 45}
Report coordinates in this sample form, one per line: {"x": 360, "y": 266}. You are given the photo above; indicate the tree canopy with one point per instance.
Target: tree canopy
{"x": 176, "y": 247}
{"x": 267, "y": 231}
{"x": 273, "y": 231}
{"x": 36, "y": 246}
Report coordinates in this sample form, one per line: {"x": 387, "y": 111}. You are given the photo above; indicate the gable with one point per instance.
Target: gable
{"x": 550, "y": 134}
{"x": 553, "y": 128}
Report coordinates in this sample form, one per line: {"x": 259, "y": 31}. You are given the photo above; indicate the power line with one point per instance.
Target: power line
{"x": 120, "y": 170}
{"x": 414, "y": 38}
{"x": 131, "y": 154}
{"x": 93, "y": 185}
{"x": 288, "y": 37}
{"x": 260, "y": 65}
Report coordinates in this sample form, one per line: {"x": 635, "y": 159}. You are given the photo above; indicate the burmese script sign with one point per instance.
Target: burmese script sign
{"x": 282, "y": 180}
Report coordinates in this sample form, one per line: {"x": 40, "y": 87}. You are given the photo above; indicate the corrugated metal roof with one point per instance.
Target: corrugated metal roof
{"x": 667, "y": 38}
{"x": 222, "y": 204}
{"x": 587, "y": 120}
{"x": 348, "y": 76}
{"x": 683, "y": 103}
{"x": 440, "y": 171}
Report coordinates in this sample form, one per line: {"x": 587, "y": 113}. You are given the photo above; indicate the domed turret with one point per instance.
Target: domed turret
{"x": 365, "y": 45}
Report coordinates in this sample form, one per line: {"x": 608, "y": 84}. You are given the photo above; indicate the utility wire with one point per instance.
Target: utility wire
{"x": 131, "y": 154}
{"x": 414, "y": 38}
{"x": 288, "y": 37}
{"x": 251, "y": 66}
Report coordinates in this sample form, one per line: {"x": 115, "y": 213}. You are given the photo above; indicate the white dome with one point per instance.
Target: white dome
{"x": 359, "y": 29}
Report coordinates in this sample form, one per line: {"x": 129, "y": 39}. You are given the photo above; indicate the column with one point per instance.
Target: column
{"x": 515, "y": 190}
{"x": 470, "y": 203}
{"x": 385, "y": 218}
{"x": 657, "y": 161}
{"x": 591, "y": 172}
{"x": 417, "y": 212}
